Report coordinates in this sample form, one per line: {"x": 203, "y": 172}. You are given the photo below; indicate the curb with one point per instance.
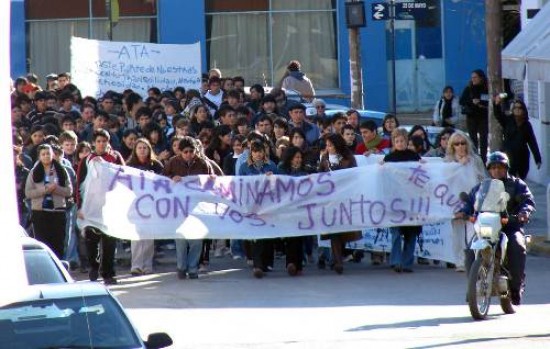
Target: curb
{"x": 539, "y": 246}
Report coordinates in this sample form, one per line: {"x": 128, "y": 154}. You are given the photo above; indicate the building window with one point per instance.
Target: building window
{"x": 51, "y": 24}
{"x": 256, "y": 39}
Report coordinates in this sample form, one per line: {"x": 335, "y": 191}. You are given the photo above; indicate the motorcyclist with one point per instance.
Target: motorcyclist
{"x": 519, "y": 208}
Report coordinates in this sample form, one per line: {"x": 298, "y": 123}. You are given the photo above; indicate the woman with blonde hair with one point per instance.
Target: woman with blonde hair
{"x": 143, "y": 158}
{"x": 461, "y": 149}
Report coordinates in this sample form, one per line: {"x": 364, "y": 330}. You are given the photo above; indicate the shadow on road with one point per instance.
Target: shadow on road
{"x": 481, "y": 340}
{"x": 414, "y": 324}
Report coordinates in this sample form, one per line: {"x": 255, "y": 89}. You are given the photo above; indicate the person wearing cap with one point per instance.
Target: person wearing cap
{"x": 519, "y": 208}
{"x": 296, "y": 80}
{"x": 297, "y": 120}
{"x": 51, "y": 82}
{"x": 32, "y": 78}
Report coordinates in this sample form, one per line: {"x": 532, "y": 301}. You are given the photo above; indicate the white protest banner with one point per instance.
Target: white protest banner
{"x": 131, "y": 204}
{"x": 98, "y": 66}
{"x": 436, "y": 241}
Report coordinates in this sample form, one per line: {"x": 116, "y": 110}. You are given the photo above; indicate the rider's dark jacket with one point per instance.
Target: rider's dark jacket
{"x": 521, "y": 201}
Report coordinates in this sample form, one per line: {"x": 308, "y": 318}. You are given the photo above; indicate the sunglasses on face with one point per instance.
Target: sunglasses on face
{"x": 459, "y": 143}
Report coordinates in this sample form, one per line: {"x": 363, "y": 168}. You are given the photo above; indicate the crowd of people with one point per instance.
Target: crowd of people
{"x": 220, "y": 130}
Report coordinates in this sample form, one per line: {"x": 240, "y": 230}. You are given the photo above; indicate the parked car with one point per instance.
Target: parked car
{"x": 432, "y": 131}
{"x": 77, "y": 315}
{"x": 42, "y": 265}
{"x": 365, "y": 114}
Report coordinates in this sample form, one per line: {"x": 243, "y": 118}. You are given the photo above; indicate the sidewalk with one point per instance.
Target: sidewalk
{"x": 538, "y": 227}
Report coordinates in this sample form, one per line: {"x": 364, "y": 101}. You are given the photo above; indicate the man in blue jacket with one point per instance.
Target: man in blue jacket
{"x": 519, "y": 208}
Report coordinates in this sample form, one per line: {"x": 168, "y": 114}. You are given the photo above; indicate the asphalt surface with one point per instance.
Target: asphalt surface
{"x": 367, "y": 306}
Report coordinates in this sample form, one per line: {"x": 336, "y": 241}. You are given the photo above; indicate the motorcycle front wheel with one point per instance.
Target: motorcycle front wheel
{"x": 479, "y": 294}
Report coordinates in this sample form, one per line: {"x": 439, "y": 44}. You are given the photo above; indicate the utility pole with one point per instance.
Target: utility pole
{"x": 356, "y": 71}
{"x": 493, "y": 28}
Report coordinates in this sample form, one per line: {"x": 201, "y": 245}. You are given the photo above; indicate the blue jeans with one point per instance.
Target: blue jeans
{"x": 188, "y": 253}
{"x": 71, "y": 240}
{"x": 237, "y": 248}
{"x": 402, "y": 257}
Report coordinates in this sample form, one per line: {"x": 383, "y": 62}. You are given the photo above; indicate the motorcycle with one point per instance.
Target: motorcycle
{"x": 488, "y": 276}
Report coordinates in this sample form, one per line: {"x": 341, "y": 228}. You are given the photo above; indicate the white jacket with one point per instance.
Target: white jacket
{"x": 438, "y": 110}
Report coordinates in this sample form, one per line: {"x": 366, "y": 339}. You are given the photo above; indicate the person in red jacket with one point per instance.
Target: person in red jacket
{"x": 372, "y": 142}
{"x": 98, "y": 244}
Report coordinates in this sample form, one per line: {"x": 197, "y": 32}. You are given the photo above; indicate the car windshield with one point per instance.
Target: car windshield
{"x": 41, "y": 269}
{"x": 67, "y": 323}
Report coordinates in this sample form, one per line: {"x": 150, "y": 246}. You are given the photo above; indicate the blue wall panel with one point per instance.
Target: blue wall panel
{"x": 465, "y": 43}
{"x": 183, "y": 22}
{"x": 18, "y": 54}
{"x": 376, "y": 78}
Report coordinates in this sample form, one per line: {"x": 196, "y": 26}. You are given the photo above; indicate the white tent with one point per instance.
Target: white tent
{"x": 528, "y": 55}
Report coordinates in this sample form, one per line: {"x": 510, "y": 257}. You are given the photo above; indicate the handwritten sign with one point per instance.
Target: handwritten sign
{"x": 99, "y": 66}
{"x": 435, "y": 242}
{"x": 131, "y": 204}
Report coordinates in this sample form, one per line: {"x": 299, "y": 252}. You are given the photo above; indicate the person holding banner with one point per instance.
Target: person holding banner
{"x": 461, "y": 149}
{"x": 337, "y": 156}
{"x": 143, "y": 158}
{"x": 293, "y": 165}
{"x": 258, "y": 163}
{"x": 402, "y": 259}
{"x": 187, "y": 163}
{"x": 100, "y": 246}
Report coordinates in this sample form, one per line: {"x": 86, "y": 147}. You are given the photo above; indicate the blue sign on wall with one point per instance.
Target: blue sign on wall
{"x": 380, "y": 11}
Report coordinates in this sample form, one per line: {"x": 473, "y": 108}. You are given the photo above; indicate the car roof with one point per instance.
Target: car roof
{"x": 365, "y": 113}
{"x": 31, "y": 244}
{"x": 63, "y": 290}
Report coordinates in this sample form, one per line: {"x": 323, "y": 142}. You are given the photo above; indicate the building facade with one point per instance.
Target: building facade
{"x": 256, "y": 39}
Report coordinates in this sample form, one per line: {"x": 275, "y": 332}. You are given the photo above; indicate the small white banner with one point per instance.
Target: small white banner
{"x": 435, "y": 242}
{"x": 98, "y": 66}
{"x": 131, "y": 204}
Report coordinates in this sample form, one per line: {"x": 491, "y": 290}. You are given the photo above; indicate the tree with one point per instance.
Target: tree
{"x": 493, "y": 28}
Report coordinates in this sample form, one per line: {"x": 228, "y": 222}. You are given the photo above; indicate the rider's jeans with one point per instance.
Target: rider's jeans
{"x": 517, "y": 254}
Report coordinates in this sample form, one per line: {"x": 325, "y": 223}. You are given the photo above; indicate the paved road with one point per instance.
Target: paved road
{"x": 368, "y": 306}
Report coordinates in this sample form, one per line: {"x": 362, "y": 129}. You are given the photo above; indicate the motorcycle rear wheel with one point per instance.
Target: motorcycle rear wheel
{"x": 479, "y": 294}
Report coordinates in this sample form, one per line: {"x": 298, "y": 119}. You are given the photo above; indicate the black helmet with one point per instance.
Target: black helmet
{"x": 498, "y": 157}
